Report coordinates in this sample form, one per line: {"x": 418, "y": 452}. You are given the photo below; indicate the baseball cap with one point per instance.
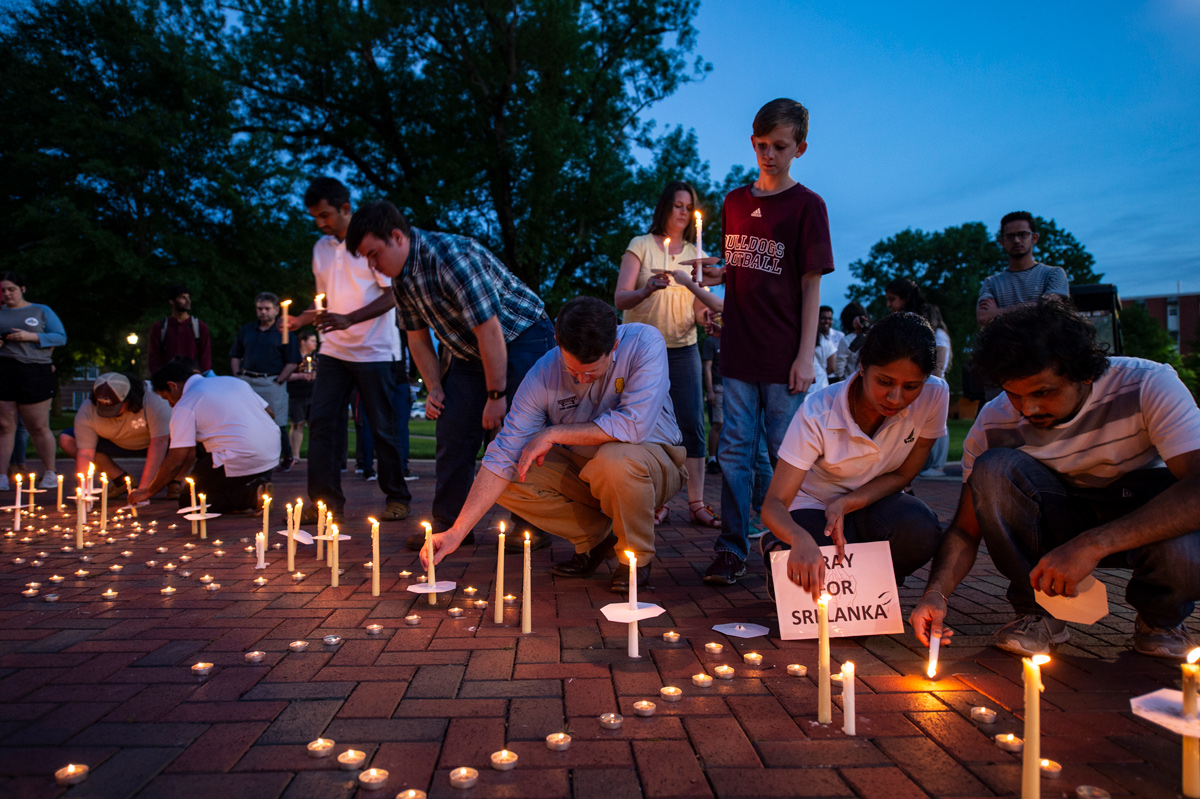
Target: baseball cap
{"x": 109, "y": 392}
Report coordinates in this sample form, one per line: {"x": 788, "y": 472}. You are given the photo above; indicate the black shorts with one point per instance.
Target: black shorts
{"x": 298, "y": 409}
{"x": 26, "y": 383}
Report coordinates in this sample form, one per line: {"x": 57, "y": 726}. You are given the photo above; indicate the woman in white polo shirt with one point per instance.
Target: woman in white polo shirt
{"x": 852, "y": 448}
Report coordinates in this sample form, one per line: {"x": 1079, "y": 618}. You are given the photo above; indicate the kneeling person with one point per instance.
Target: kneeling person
{"x": 590, "y": 447}
{"x": 849, "y": 452}
{"x": 238, "y": 438}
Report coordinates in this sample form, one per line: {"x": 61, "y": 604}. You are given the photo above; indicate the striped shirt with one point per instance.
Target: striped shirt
{"x": 454, "y": 284}
{"x": 1138, "y": 414}
{"x": 1014, "y": 288}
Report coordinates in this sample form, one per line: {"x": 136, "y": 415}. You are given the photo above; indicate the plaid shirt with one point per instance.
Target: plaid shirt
{"x": 454, "y": 284}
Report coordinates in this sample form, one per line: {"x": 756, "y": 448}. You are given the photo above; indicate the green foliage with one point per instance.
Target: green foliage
{"x": 1144, "y": 337}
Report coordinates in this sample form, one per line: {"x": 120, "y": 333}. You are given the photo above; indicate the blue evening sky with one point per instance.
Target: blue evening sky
{"x": 928, "y": 115}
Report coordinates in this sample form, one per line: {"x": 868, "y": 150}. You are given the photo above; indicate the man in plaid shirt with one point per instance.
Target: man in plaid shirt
{"x": 493, "y": 325}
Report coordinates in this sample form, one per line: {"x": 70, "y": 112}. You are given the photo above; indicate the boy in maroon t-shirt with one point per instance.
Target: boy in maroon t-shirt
{"x": 776, "y": 246}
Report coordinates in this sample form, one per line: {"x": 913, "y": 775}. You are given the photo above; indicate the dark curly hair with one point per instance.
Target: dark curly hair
{"x": 898, "y": 336}
{"x": 1029, "y": 339}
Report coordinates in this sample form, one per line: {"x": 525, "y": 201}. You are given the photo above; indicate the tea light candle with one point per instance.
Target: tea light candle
{"x": 260, "y": 581}
{"x": 373, "y": 779}
{"x": 85, "y": 558}
{"x": 127, "y": 553}
{"x": 1050, "y": 770}
{"x": 797, "y": 670}
{"x": 220, "y": 553}
{"x": 464, "y": 777}
{"x": 56, "y": 578}
{"x": 161, "y": 550}
{"x": 752, "y": 659}
{"x": 504, "y": 760}
{"x": 81, "y": 574}
{"x": 510, "y": 599}
{"x": 411, "y": 793}
{"x": 213, "y": 587}
{"x": 298, "y": 646}
{"x": 470, "y": 590}
{"x": 33, "y": 585}
{"x": 702, "y": 680}
{"x": 29, "y": 592}
{"x": 201, "y": 669}
{"x": 404, "y": 575}
{"x": 644, "y": 708}
{"x": 671, "y": 637}
{"x": 332, "y": 640}
{"x": 558, "y": 741}
{"x": 611, "y": 721}
{"x": 352, "y": 759}
{"x": 168, "y": 591}
{"x": 188, "y": 545}
{"x": 480, "y": 603}
{"x": 151, "y": 564}
{"x": 1009, "y": 742}
{"x": 724, "y": 672}
{"x": 454, "y": 613}
{"x": 50, "y": 598}
{"x": 170, "y": 567}
{"x": 983, "y": 715}
{"x": 116, "y": 567}
{"x": 374, "y": 629}
{"x": 713, "y": 649}
{"x": 322, "y": 747}
{"x": 670, "y": 693}
{"x": 412, "y": 620}
{"x": 71, "y": 774}
{"x": 256, "y": 656}
{"x": 109, "y": 594}
{"x": 206, "y": 579}
{"x": 298, "y": 577}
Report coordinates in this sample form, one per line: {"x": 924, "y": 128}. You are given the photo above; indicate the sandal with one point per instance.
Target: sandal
{"x": 703, "y": 515}
{"x": 661, "y": 515}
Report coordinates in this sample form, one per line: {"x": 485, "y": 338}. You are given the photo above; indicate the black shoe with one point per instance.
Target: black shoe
{"x": 584, "y": 564}
{"x": 515, "y": 544}
{"x": 416, "y": 541}
{"x": 285, "y": 465}
{"x": 725, "y": 569}
{"x": 620, "y": 578}
{"x": 712, "y": 467}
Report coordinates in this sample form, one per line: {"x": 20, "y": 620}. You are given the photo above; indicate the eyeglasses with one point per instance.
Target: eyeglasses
{"x": 592, "y": 373}
{"x": 1022, "y": 236}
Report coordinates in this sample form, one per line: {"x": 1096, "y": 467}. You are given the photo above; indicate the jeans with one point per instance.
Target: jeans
{"x": 687, "y": 382}
{"x": 1025, "y": 510}
{"x": 460, "y": 432}
{"x": 366, "y": 441}
{"x": 753, "y": 411}
{"x": 225, "y": 494}
{"x": 938, "y": 453}
{"x": 376, "y": 382}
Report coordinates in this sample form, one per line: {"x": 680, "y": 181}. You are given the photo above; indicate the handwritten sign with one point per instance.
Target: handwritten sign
{"x": 862, "y": 587}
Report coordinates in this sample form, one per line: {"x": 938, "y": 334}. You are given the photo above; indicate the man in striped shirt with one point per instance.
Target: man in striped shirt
{"x": 1026, "y": 279}
{"x": 1085, "y": 461}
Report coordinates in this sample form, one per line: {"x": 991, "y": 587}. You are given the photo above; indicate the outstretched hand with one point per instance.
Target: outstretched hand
{"x": 927, "y": 619}
{"x": 443, "y": 545}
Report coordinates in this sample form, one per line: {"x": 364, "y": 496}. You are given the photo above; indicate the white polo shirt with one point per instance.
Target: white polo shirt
{"x": 230, "y": 420}
{"x": 824, "y": 440}
{"x": 348, "y": 284}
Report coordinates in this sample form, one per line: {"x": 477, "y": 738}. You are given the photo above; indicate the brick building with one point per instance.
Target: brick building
{"x": 1179, "y": 314}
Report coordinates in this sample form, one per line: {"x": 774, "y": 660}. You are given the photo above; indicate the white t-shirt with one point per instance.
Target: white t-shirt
{"x": 348, "y": 284}
{"x": 825, "y": 348}
{"x": 824, "y": 440}
{"x": 129, "y": 430}
{"x": 942, "y": 339}
{"x": 230, "y": 420}
{"x": 1138, "y": 414}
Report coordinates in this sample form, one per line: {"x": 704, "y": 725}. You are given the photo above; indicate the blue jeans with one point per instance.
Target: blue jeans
{"x": 1025, "y": 510}
{"x": 366, "y": 441}
{"x": 460, "y": 432}
{"x": 687, "y": 382}
{"x": 752, "y": 411}
{"x": 376, "y": 382}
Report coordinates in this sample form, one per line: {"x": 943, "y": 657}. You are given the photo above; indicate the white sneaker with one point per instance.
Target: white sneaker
{"x": 49, "y": 480}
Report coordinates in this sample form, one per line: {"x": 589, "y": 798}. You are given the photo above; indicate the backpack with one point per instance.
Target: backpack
{"x": 195, "y": 329}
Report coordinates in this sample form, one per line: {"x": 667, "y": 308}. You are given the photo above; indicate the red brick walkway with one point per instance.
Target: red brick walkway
{"x": 108, "y": 684}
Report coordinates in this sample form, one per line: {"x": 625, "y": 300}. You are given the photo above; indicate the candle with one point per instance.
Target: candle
{"x": 59, "y": 506}
{"x": 332, "y": 639}
{"x": 1091, "y": 792}
{"x": 481, "y": 603}
{"x": 797, "y": 670}
{"x": 702, "y": 680}
{"x": 527, "y": 593}
{"x": 848, "y": 698}
{"x": 504, "y": 760}
{"x": 319, "y": 303}
{"x": 405, "y": 574}
{"x": 412, "y": 620}
{"x": 320, "y": 529}
{"x": 698, "y": 269}
{"x": 454, "y": 613}
{"x": 50, "y": 598}
{"x": 667, "y": 255}
{"x": 558, "y": 741}
{"x": 374, "y": 629}
{"x": 611, "y": 721}
{"x": 30, "y": 592}
{"x": 374, "y": 557}
{"x": 335, "y": 552}
{"x": 411, "y": 793}
{"x": 266, "y": 515}
{"x": 203, "y": 517}
{"x": 1009, "y": 742}
{"x": 170, "y": 567}
{"x": 671, "y": 637}
{"x": 56, "y": 578}
{"x": 464, "y": 777}
{"x": 71, "y": 774}
{"x": 91, "y": 472}
{"x": 724, "y": 672}
{"x": 752, "y": 659}
{"x": 373, "y": 779}
{"x": 1191, "y": 744}
{"x": 201, "y": 669}
{"x": 298, "y": 646}
{"x": 260, "y": 581}
{"x": 935, "y": 643}
{"x": 644, "y": 708}
{"x": 291, "y": 541}
{"x": 298, "y": 577}
{"x": 1050, "y": 770}
{"x": 1030, "y": 777}
{"x": 429, "y": 549}
{"x": 17, "y": 505}
{"x": 168, "y": 591}
{"x": 79, "y": 513}
{"x": 192, "y": 489}
{"x": 713, "y": 649}
{"x": 824, "y": 701}
{"x": 110, "y": 594}
{"x": 351, "y": 759}
{"x": 260, "y": 550}
{"x": 470, "y": 590}
{"x": 499, "y": 615}
{"x": 256, "y": 656}
{"x": 670, "y": 693}
{"x": 322, "y": 747}
{"x": 983, "y": 715}
{"x": 103, "y": 499}
{"x": 510, "y": 599}
{"x": 283, "y": 306}
{"x": 633, "y": 624}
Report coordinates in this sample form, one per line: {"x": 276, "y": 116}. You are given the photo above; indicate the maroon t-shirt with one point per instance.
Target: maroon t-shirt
{"x": 769, "y": 242}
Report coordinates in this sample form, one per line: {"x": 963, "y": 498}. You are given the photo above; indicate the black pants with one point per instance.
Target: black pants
{"x": 224, "y": 494}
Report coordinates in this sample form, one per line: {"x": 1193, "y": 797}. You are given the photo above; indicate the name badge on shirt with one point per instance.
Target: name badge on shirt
{"x": 567, "y": 403}
{"x": 620, "y": 384}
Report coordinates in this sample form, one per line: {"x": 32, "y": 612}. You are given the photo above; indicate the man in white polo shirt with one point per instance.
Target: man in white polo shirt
{"x": 240, "y": 440}
{"x": 1084, "y": 461}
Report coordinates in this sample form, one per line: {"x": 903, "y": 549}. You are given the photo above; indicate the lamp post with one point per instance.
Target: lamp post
{"x": 132, "y": 340}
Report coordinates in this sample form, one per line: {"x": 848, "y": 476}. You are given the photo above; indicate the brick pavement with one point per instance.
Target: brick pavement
{"x": 109, "y": 684}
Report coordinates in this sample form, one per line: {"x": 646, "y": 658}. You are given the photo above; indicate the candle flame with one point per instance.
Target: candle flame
{"x": 190, "y": 481}
{"x": 71, "y": 769}
{"x": 931, "y": 672}
{"x": 1008, "y": 737}
{"x": 1194, "y": 655}
{"x": 848, "y": 668}
{"x": 372, "y": 520}
{"x": 1045, "y": 763}
{"x": 1039, "y": 660}
{"x": 824, "y": 600}
{"x": 501, "y": 528}
{"x": 697, "y": 216}
{"x": 284, "y": 303}
{"x": 428, "y": 527}
{"x": 526, "y": 536}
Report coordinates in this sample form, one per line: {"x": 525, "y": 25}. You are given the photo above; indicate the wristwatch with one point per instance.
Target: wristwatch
{"x": 494, "y": 395}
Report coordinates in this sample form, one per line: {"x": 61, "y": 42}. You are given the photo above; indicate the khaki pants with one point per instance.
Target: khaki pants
{"x": 581, "y": 499}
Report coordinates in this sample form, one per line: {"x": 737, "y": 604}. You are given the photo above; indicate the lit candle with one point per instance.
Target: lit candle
{"x": 202, "y": 669}
{"x": 724, "y": 672}
{"x": 499, "y": 615}
{"x": 168, "y": 591}
{"x": 79, "y": 512}
{"x": 824, "y": 701}
{"x": 527, "y": 593}
{"x": 192, "y": 490}
{"x": 671, "y": 637}
{"x": 322, "y": 747}
{"x": 256, "y": 656}
{"x": 935, "y": 643}
{"x": 1191, "y": 744}
{"x": 797, "y": 670}
{"x": 667, "y": 255}
{"x": 1030, "y": 776}
{"x": 319, "y": 303}
{"x": 454, "y": 613}
{"x": 470, "y": 590}
{"x": 702, "y": 680}
{"x": 698, "y": 269}
{"x": 128, "y": 491}
{"x": 351, "y": 759}
{"x": 611, "y": 721}
{"x": 644, "y": 708}
{"x": 983, "y": 715}
{"x": 464, "y": 777}
{"x": 17, "y": 505}
{"x": 558, "y": 741}
{"x": 91, "y": 473}
{"x": 752, "y": 659}
{"x": 335, "y": 551}
{"x": 670, "y": 693}
{"x": 206, "y": 579}
{"x": 203, "y": 517}
{"x": 510, "y": 599}
{"x": 481, "y": 604}
{"x": 374, "y": 556}
{"x": 374, "y": 629}
{"x": 848, "y": 698}
{"x": 320, "y": 529}
{"x": 429, "y": 549}
{"x": 504, "y": 760}
{"x": 291, "y": 540}
{"x": 412, "y": 620}
{"x": 298, "y": 646}
{"x": 260, "y": 550}
{"x": 633, "y": 624}
{"x": 713, "y": 648}
{"x": 1051, "y": 770}
{"x": 60, "y": 486}
{"x": 373, "y": 779}
{"x": 260, "y": 581}
{"x": 72, "y": 774}
{"x": 411, "y": 793}
{"x": 266, "y": 515}
{"x": 104, "y": 501}
{"x": 283, "y": 306}
{"x": 1009, "y": 742}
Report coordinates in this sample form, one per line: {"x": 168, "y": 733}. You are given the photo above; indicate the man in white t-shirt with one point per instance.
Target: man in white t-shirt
{"x": 239, "y": 439}
{"x": 1084, "y": 461}
{"x": 360, "y": 350}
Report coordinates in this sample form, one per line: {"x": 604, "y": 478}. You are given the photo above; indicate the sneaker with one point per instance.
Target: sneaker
{"x": 408, "y": 475}
{"x": 712, "y": 467}
{"x": 725, "y": 569}
{"x": 49, "y": 480}
{"x": 370, "y": 476}
{"x": 1032, "y": 635}
{"x": 757, "y": 529}
{"x": 1162, "y": 642}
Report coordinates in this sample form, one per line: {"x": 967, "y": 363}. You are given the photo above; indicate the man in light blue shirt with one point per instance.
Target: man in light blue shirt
{"x": 590, "y": 447}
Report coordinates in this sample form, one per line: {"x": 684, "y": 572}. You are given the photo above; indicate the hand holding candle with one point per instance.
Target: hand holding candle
{"x": 935, "y": 643}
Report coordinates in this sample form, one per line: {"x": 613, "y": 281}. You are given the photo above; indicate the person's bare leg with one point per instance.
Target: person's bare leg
{"x": 296, "y": 434}
{"x": 37, "y": 422}
{"x": 8, "y": 433}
